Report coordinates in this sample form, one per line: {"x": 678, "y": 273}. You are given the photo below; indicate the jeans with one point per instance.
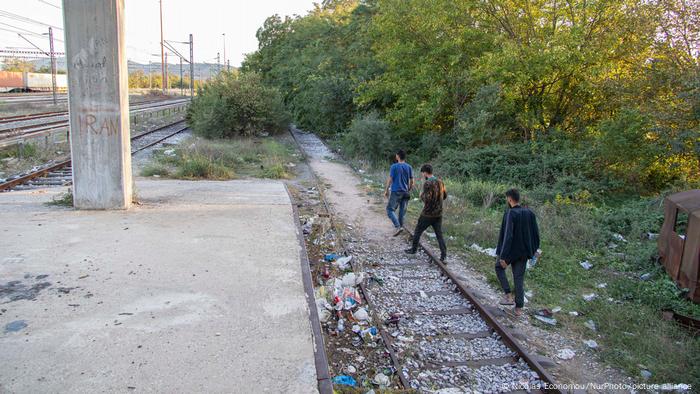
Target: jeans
{"x": 518, "y": 266}
{"x": 436, "y": 223}
{"x": 397, "y": 200}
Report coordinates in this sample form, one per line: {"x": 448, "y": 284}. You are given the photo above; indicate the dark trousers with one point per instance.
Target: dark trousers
{"x": 518, "y": 266}
{"x": 436, "y": 223}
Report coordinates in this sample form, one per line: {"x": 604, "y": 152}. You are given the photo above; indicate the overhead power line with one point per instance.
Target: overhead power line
{"x": 24, "y": 19}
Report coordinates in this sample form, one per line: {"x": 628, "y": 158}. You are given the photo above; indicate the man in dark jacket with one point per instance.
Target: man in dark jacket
{"x": 433, "y": 194}
{"x": 518, "y": 241}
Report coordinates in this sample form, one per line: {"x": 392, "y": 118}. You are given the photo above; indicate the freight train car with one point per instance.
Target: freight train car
{"x": 30, "y": 82}
{"x": 11, "y": 80}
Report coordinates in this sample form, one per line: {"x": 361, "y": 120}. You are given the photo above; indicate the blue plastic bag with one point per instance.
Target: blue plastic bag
{"x": 330, "y": 257}
{"x": 345, "y": 380}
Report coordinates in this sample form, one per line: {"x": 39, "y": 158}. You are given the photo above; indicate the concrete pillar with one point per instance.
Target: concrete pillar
{"x": 99, "y": 103}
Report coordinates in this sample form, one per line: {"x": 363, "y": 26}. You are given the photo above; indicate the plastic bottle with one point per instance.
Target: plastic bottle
{"x": 341, "y": 325}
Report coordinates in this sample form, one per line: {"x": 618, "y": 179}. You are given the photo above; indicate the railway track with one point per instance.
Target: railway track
{"x": 41, "y": 115}
{"x": 15, "y": 123}
{"x": 17, "y": 133}
{"x": 437, "y": 334}
{"x": 59, "y": 173}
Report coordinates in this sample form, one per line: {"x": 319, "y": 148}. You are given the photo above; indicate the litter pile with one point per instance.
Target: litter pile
{"x": 357, "y": 355}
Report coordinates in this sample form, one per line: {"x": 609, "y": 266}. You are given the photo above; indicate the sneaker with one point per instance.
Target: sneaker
{"x": 507, "y": 300}
{"x": 409, "y": 251}
{"x": 398, "y": 231}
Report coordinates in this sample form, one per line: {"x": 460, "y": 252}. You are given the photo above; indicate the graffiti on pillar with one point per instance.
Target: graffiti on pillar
{"x": 92, "y": 59}
{"x": 91, "y": 123}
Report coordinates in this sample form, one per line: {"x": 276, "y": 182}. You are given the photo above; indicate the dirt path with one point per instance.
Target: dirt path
{"x": 365, "y": 215}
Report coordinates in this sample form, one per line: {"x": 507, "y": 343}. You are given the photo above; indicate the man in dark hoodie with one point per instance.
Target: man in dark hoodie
{"x": 518, "y": 241}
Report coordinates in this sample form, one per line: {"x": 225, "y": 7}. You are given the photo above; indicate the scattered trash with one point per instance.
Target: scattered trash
{"x": 169, "y": 152}
{"x": 368, "y": 334}
{"x": 324, "y": 315}
{"x": 330, "y": 257}
{"x": 349, "y": 279}
{"x": 345, "y": 380}
{"x": 566, "y": 354}
{"x": 343, "y": 263}
{"x": 590, "y": 297}
{"x": 651, "y": 236}
{"x": 529, "y": 294}
{"x": 556, "y": 309}
{"x": 591, "y": 325}
{"x": 341, "y": 325}
{"x": 602, "y": 285}
{"x": 645, "y": 277}
{"x": 619, "y": 237}
{"x": 361, "y": 314}
{"x": 351, "y": 369}
{"x": 645, "y": 374}
{"x": 489, "y": 251}
{"x": 543, "y": 312}
{"x": 573, "y": 313}
{"x": 586, "y": 265}
{"x": 546, "y": 320}
{"x": 591, "y": 344}
{"x": 381, "y": 380}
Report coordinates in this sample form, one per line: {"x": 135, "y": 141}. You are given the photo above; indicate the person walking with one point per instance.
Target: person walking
{"x": 518, "y": 241}
{"x": 398, "y": 188}
{"x": 433, "y": 194}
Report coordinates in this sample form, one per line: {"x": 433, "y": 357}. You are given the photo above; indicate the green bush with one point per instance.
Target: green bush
{"x": 155, "y": 169}
{"x": 200, "y": 166}
{"x": 369, "y": 138}
{"x": 480, "y": 193}
{"x": 235, "y": 104}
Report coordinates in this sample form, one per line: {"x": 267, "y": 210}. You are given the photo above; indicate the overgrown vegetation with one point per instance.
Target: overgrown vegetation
{"x": 591, "y": 107}
{"x": 62, "y": 200}
{"x": 199, "y": 158}
{"x": 234, "y": 104}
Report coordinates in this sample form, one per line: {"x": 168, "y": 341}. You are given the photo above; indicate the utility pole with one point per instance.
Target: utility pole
{"x": 150, "y": 84}
{"x": 181, "y": 85}
{"x": 99, "y": 103}
{"x": 224, "y": 34}
{"x": 53, "y": 65}
{"x": 191, "y": 69}
{"x": 218, "y": 61}
{"x": 162, "y": 49}
{"x": 165, "y": 81}
{"x": 228, "y": 65}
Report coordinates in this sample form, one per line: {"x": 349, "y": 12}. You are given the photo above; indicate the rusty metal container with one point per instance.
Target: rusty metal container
{"x": 10, "y": 80}
{"x": 679, "y": 241}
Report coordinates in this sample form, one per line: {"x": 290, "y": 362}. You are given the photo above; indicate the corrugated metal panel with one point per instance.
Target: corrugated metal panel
{"x": 10, "y": 79}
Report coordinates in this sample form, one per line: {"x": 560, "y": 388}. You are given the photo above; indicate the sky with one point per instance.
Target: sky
{"x": 207, "y": 20}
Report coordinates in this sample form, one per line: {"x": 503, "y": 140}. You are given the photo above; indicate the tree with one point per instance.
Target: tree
{"x": 18, "y": 65}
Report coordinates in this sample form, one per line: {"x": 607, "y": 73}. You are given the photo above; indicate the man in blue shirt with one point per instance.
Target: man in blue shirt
{"x": 398, "y": 187}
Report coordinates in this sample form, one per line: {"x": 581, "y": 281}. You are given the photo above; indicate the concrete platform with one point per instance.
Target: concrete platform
{"x": 199, "y": 289}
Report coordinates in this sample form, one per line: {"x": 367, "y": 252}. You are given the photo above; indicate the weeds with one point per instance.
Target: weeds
{"x": 198, "y": 158}
{"x": 62, "y": 200}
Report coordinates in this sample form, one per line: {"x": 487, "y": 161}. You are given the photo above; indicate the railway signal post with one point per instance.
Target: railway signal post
{"x": 99, "y": 103}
